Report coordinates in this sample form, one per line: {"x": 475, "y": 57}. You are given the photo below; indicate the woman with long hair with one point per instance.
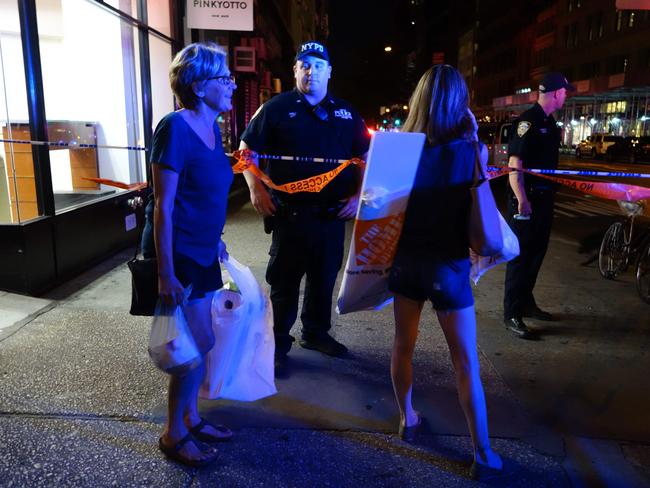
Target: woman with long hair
{"x": 191, "y": 179}
{"x": 432, "y": 259}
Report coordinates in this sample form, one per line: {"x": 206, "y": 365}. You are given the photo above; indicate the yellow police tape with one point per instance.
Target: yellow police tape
{"x": 313, "y": 184}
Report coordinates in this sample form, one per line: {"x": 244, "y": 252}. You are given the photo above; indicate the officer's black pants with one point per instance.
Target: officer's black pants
{"x": 303, "y": 244}
{"x": 533, "y": 235}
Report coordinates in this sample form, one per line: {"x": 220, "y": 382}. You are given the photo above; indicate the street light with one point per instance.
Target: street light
{"x": 388, "y": 49}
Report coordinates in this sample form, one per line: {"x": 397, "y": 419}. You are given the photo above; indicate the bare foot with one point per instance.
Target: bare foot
{"x": 411, "y": 418}
{"x": 488, "y": 458}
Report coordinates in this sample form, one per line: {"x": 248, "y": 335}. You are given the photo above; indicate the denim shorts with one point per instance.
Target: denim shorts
{"x": 444, "y": 282}
{"x": 204, "y": 279}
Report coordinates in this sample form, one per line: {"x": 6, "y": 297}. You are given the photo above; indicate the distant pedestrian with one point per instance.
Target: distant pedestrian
{"x": 432, "y": 259}
{"x": 308, "y": 228}
{"x": 191, "y": 178}
{"x": 534, "y": 144}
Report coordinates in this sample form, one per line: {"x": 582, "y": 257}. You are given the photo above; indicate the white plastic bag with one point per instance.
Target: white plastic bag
{"x": 171, "y": 345}
{"x": 510, "y": 250}
{"x": 240, "y": 365}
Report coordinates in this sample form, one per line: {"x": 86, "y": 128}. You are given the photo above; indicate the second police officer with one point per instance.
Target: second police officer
{"x": 535, "y": 144}
{"x": 308, "y": 228}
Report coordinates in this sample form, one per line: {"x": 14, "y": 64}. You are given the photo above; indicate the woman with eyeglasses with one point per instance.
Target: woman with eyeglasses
{"x": 191, "y": 179}
{"x": 432, "y": 259}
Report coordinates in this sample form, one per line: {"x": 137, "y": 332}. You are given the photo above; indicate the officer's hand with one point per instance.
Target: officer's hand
{"x": 524, "y": 208}
{"x": 349, "y": 210}
{"x": 261, "y": 200}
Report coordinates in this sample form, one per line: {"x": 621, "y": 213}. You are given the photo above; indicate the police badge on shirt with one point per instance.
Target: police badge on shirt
{"x": 522, "y": 128}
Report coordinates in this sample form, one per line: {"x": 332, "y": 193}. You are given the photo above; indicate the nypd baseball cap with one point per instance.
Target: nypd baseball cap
{"x": 312, "y": 48}
{"x": 554, "y": 81}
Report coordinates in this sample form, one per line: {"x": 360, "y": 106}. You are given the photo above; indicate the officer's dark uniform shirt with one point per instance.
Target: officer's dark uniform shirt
{"x": 287, "y": 126}
{"x": 536, "y": 141}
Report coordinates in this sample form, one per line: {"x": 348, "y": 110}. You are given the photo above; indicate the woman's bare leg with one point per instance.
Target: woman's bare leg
{"x": 459, "y": 327}
{"x": 198, "y": 314}
{"x": 183, "y": 390}
{"x": 407, "y": 318}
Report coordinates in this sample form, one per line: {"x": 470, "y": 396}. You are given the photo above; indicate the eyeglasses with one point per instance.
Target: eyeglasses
{"x": 224, "y": 79}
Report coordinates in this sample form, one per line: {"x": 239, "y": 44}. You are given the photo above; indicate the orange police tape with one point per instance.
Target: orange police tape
{"x": 608, "y": 191}
{"x": 313, "y": 184}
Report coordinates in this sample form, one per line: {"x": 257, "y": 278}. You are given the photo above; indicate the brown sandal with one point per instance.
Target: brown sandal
{"x": 224, "y": 433}
{"x": 174, "y": 452}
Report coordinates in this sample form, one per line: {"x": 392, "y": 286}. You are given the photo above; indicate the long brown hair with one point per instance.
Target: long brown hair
{"x": 438, "y": 105}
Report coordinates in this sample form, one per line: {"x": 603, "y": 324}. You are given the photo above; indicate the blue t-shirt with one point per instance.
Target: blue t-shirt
{"x": 204, "y": 178}
{"x": 437, "y": 214}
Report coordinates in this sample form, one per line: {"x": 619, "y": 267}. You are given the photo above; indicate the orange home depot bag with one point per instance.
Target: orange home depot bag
{"x": 392, "y": 163}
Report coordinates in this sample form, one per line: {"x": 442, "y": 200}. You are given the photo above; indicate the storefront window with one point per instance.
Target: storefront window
{"x": 162, "y": 98}
{"x": 18, "y": 201}
{"x": 90, "y": 66}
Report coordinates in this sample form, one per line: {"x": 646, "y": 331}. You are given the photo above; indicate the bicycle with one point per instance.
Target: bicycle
{"x": 623, "y": 244}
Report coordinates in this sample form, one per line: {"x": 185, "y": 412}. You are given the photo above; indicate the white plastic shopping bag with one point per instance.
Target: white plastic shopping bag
{"x": 510, "y": 250}
{"x": 240, "y": 365}
{"x": 387, "y": 182}
{"x": 171, "y": 345}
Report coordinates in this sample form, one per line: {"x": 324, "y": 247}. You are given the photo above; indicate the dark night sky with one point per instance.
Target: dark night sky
{"x": 362, "y": 72}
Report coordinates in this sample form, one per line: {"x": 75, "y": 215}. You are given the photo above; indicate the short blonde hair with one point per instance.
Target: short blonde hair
{"x": 195, "y": 63}
{"x": 438, "y": 106}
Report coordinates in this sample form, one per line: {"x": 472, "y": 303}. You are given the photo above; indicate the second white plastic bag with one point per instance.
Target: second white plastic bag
{"x": 509, "y": 251}
{"x": 240, "y": 365}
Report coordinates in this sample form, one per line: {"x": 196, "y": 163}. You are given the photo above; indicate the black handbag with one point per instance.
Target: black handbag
{"x": 144, "y": 285}
{"x": 144, "y": 282}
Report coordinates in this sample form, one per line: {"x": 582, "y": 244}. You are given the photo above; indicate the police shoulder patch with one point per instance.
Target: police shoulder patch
{"x": 522, "y": 128}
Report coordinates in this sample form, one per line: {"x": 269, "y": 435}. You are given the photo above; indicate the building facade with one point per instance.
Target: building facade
{"x": 603, "y": 51}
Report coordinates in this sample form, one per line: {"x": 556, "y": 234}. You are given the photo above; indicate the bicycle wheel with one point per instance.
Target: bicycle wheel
{"x": 612, "y": 256}
{"x": 643, "y": 273}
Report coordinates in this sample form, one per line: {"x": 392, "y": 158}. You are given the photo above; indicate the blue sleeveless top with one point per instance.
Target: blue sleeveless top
{"x": 438, "y": 209}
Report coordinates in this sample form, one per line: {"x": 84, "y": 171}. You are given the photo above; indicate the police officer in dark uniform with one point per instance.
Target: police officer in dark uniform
{"x": 534, "y": 144}
{"x": 308, "y": 227}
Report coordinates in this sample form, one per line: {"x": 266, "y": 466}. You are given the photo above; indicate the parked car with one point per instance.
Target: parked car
{"x": 501, "y": 141}
{"x": 486, "y": 133}
{"x": 496, "y": 137}
{"x": 629, "y": 149}
{"x": 596, "y": 145}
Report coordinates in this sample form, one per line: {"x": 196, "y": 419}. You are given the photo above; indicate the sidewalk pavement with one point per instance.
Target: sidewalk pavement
{"x": 82, "y": 405}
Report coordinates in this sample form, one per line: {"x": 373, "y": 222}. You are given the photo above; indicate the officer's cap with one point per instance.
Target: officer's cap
{"x": 554, "y": 81}
{"x": 312, "y": 48}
